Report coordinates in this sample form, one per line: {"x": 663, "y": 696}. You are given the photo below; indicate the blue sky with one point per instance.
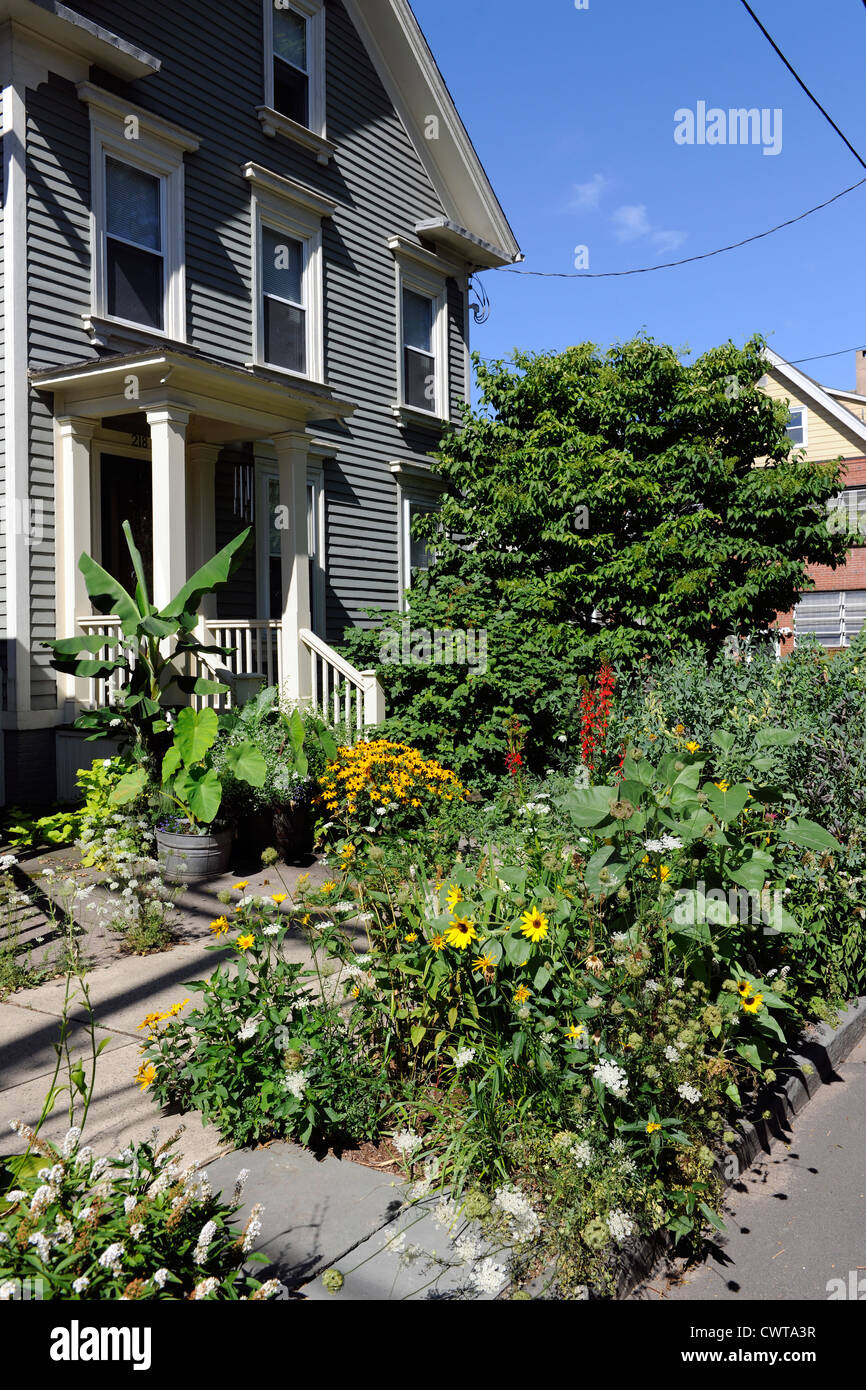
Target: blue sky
{"x": 572, "y": 112}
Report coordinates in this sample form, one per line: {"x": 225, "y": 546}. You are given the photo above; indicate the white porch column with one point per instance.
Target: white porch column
{"x": 201, "y": 512}
{"x": 168, "y": 450}
{"x": 73, "y": 438}
{"x": 292, "y": 458}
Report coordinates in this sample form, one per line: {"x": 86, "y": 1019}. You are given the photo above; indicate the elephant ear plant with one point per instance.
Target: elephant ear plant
{"x": 189, "y": 779}
{"x": 154, "y": 653}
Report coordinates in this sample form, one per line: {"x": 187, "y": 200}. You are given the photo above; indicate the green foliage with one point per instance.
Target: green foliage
{"x": 132, "y": 1226}
{"x": 295, "y": 746}
{"x": 152, "y": 654}
{"x": 264, "y": 1054}
{"x": 621, "y": 484}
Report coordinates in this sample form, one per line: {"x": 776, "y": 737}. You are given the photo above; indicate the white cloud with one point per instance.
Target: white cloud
{"x": 631, "y": 222}
{"x": 588, "y": 195}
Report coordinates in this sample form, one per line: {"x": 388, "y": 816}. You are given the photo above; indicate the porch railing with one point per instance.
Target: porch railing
{"x": 340, "y": 692}
{"x": 257, "y": 647}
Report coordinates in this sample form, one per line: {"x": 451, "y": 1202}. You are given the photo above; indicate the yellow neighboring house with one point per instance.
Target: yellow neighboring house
{"x": 828, "y": 424}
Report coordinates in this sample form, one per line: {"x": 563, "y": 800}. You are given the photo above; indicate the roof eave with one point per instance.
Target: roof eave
{"x": 63, "y": 26}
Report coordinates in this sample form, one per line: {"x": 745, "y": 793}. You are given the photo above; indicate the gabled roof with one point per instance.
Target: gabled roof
{"x": 808, "y": 389}
{"x": 408, "y": 71}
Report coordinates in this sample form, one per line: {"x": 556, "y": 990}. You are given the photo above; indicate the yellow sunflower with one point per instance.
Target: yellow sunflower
{"x": 461, "y": 933}
{"x": 534, "y": 925}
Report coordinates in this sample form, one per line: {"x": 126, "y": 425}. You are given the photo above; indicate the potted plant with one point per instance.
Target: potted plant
{"x": 294, "y": 747}
{"x": 193, "y": 843}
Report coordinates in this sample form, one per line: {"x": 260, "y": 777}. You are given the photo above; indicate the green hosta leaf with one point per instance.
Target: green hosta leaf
{"x": 727, "y": 806}
{"x": 247, "y": 764}
{"x": 808, "y": 835}
{"x": 195, "y": 733}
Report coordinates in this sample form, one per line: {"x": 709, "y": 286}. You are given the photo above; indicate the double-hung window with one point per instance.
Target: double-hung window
{"x": 419, "y": 351}
{"x": 422, "y": 332}
{"x": 288, "y": 291}
{"x": 294, "y": 106}
{"x": 137, "y": 215}
{"x": 135, "y": 264}
{"x": 284, "y": 308}
{"x": 796, "y": 426}
{"x": 291, "y": 59}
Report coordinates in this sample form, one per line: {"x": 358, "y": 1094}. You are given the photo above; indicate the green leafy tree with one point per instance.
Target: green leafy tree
{"x": 601, "y": 506}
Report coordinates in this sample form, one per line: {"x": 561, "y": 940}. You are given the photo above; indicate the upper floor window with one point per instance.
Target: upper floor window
{"x": 291, "y": 59}
{"x": 284, "y": 306}
{"x": 137, "y": 215}
{"x": 288, "y": 274}
{"x": 797, "y": 425}
{"x": 422, "y": 332}
{"x": 419, "y": 352}
{"x": 294, "y": 32}
{"x": 135, "y": 244}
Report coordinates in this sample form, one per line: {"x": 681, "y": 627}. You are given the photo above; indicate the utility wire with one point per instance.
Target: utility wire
{"x": 792, "y": 70}
{"x": 687, "y": 260}
{"x": 735, "y": 245}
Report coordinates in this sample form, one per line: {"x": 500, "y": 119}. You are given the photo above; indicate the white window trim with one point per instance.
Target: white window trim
{"x": 274, "y": 122}
{"x": 316, "y": 538}
{"x": 416, "y": 486}
{"x": 426, "y": 274}
{"x": 805, "y": 418}
{"x": 158, "y": 148}
{"x": 296, "y": 212}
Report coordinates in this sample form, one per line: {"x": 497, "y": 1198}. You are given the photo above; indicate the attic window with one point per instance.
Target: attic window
{"x": 294, "y": 58}
{"x": 797, "y": 425}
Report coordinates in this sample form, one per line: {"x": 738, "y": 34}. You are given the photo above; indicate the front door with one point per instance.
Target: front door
{"x": 127, "y": 495}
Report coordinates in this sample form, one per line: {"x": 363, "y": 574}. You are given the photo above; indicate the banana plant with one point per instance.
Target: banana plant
{"x": 152, "y": 652}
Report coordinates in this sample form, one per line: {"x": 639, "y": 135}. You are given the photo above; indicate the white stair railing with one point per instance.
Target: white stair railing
{"x": 337, "y": 689}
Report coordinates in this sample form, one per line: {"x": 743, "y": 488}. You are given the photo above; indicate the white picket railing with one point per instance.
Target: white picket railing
{"x": 339, "y": 691}
{"x": 334, "y": 687}
{"x": 100, "y": 688}
{"x": 257, "y": 647}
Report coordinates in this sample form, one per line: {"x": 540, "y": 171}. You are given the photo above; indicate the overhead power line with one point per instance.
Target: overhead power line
{"x": 734, "y": 245}
{"x": 793, "y": 71}
{"x": 686, "y": 260}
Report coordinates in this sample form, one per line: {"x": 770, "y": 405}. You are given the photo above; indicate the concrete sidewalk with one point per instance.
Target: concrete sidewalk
{"x": 796, "y": 1221}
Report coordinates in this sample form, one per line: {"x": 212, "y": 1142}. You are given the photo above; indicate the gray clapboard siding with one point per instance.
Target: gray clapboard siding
{"x": 58, "y": 289}
{"x": 211, "y": 82}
